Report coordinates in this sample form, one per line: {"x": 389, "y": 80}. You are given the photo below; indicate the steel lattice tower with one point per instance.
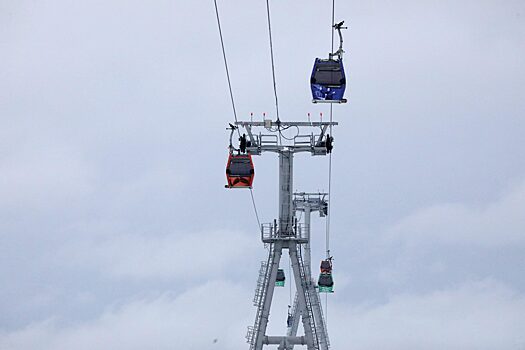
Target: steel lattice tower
{"x": 286, "y": 233}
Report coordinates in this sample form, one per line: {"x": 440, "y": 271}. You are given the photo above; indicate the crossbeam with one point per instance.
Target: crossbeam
{"x": 268, "y": 340}
{"x": 316, "y": 144}
{"x": 271, "y": 123}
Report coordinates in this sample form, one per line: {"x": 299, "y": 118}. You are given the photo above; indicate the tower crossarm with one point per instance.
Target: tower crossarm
{"x": 270, "y": 123}
{"x": 312, "y": 202}
{"x": 315, "y": 143}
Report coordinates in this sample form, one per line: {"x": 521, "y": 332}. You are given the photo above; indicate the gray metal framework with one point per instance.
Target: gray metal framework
{"x": 286, "y": 233}
{"x": 308, "y": 203}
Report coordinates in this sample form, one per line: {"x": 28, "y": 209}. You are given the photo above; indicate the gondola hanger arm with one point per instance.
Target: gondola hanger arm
{"x": 340, "y": 51}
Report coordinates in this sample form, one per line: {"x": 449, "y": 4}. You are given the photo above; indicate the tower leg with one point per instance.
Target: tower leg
{"x": 319, "y": 319}
{"x": 264, "y": 309}
{"x": 303, "y": 297}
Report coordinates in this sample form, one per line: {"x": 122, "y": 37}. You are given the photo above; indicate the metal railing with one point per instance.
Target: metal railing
{"x": 270, "y": 232}
{"x": 258, "y": 300}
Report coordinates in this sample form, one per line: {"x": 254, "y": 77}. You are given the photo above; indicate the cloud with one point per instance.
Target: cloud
{"x": 113, "y": 127}
{"x": 500, "y": 223}
{"x": 475, "y": 315}
{"x": 43, "y": 174}
{"x": 215, "y": 310}
{"x": 179, "y": 256}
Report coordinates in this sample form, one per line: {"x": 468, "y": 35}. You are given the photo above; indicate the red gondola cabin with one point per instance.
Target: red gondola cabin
{"x": 239, "y": 171}
{"x": 326, "y": 266}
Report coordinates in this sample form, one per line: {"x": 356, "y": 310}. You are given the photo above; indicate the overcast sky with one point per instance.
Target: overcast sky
{"x": 116, "y": 231}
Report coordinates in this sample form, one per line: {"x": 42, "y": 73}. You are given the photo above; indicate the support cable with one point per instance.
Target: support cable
{"x": 327, "y": 236}
{"x": 272, "y": 59}
{"x": 226, "y": 63}
{"x": 255, "y": 209}
{"x": 329, "y": 173}
{"x": 232, "y": 99}
{"x": 327, "y": 242}
{"x": 273, "y": 72}
{"x": 333, "y": 22}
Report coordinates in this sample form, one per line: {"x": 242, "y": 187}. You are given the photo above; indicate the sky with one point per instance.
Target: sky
{"x": 116, "y": 231}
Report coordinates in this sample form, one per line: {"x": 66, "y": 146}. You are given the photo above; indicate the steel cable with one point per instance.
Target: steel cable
{"x": 272, "y": 59}
{"x": 225, "y": 62}
{"x": 327, "y": 242}
{"x": 232, "y": 99}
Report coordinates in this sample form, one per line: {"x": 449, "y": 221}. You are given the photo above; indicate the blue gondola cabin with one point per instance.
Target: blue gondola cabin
{"x": 328, "y": 81}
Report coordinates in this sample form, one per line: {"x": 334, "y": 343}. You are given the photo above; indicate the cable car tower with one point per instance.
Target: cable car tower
{"x": 286, "y": 233}
{"x": 328, "y": 83}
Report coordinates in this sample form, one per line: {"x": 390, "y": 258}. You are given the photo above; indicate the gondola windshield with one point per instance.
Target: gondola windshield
{"x": 240, "y": 166}
{"x": 328, "y": 73}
